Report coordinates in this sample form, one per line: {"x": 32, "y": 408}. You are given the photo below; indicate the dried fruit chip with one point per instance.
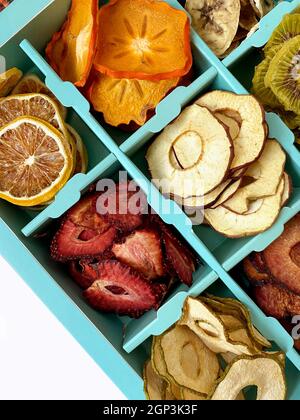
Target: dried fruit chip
{"x": 233, "y": 125}
{"x": 203, "y": 152}
{"x": 248, "y": 18}
{"x": 134, "y": 99}
{"x": 8, "y": 81}
{"x": 71, "y": 51}
{"x": 155, "y": 386}
{"x": 263, "y": 371}
{"x": 81, "y": 161}
{"x": 250, "y": 141}
{"x": 228, "y": 193}
{"x": 262, "y": 7}
{"x": 253, "y": 275}
{"x": 208, "y": 199}
{"x": 143, "y": 39}
{"x": 34, "y": 162}
{"x": 286, "y": 30}
{"x": 288, "y": 189}
{"x": 189, "y": 394}
{"x": 215, "y": 21}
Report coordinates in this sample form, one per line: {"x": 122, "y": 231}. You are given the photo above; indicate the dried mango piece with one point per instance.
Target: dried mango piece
{"x": 143, "y": 39}
{"x": 131, "y": 97}
{"x": 71, "y": 51}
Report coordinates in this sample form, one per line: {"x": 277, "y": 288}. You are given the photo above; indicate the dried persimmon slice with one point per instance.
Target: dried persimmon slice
{"x": 143, "y": 39}
{"x": 124, "y": 100}
{"x": 71, "y": 51}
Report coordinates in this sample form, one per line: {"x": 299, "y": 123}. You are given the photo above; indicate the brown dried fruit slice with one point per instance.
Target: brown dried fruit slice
{"x": 154, "y": 385}
{"x": 133, "y": 98}
{"x": 263, "y": 371}
{"x": 185, "y": 356}
{"x": 266, "y": 173}
{"x": 247, "y": 17}
{"x": 8, "y": 81}
{"x": 143, "y": 39}
{"x": 282, "y": 257}
{"x": 253, "y": 275}
{"x": 215, "y": 22}
{"x": 261, "y": 216}
{"x": 199, "y": 170}
{"x": 250, "y": 141}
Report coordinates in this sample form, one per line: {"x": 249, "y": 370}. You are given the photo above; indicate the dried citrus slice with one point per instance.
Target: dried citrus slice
{"x": 33, "y": 84}
{"x": 81, "y": 159}
{"x": 71, "y": 51}
{"x": 8, "y": 81}
{"x": 34, "y": 105}
{"x": 131, "y": 97}
{"x": 34, "y": 162}
{"x": 143, "y": 39}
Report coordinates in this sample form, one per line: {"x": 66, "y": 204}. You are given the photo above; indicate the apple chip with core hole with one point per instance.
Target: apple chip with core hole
{"x": 189, "y": 362}
{"x": 261, "y": 216}
{"x": 208, "y": 326}
{"x": 234, "y": 125}
{"x": 215, "y": 21}
{"x": 252, "y": 135}
{"x": 192, "y": 155}
{"x": 266, "y": 173}
{"x": 155, "y": 386}
{"x": 262, "y": 371}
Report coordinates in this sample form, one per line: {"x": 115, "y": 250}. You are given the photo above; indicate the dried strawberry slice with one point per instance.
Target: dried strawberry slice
{"x": 179, "y": 256}
{"x": 68, "y": 244}
{"x": 123, "y": 206}
{"x": 276, "y": 301}
{"x": 78, "y": 272}
{"x": 121, "y": 290}
{"x": 142, "y": 251}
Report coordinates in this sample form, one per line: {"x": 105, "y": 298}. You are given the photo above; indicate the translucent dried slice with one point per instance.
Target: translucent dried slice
{"x": 283, "y": 75}
{"x": 263, "y": 93}
{"x": 189, "y": 362}
{"x": 287, "y": 29}
{"x": 215, "y": 21}
{"x": 154, "y": 385}
{"x": 33, "y": 84}
{"x": 133, "y": 98}
{"x": 143, "y": 39}
{"x": 8, "y": 81}
{"x": 250, "y": 141}
{"x": 206, "y": 166}
{"x": 263, "y": 371}
{"x": 266, "y": 174}
{"x": 71, "y": 51}
{"x": 34, "y": 162}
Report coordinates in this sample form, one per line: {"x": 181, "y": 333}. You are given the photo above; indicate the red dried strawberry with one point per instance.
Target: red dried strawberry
{"x": 69, "y": 244}
{"x": 142, "y": 251}
{"x": 123, "y": 206}
{"x": 179, "y": 256}
{"x": 121, "y": 290}
{"x": 83, "y": 278}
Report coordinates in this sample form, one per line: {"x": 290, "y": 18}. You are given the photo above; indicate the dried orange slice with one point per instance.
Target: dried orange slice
{"x": 33, "y": 84}
{"x": 143, "y": 39}
{"x": 71, "y": 51}
{"x": 34, "y": 162}
{"x": 131, "y": 98}
{"x": 81, "y": 160}
{"x": 8, "y": 81}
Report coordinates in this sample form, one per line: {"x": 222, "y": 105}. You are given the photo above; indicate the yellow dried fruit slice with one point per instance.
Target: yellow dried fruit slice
{"x": 34, "y": 162}
{"x": 81, "y": 155}
{"x": 8, "y": 81}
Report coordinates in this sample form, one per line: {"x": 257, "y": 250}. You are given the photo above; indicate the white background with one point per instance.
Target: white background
{"x": 39, "y": 359}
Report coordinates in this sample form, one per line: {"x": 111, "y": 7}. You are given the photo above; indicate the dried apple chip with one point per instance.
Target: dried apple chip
{"x": 155, "y": 386}
{"x": 71, "y": 51}
{"x": 143, "y": 39}
{"x": 131, "y": 97}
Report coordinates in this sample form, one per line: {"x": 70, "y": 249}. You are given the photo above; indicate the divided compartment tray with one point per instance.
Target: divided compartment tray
{"x": 111, "y": 150}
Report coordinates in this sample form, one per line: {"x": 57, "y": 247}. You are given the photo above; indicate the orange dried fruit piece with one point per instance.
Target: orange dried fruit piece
{"x": 8, "y": 80}
{"x": 71, "y": 50}
{"x": 143, "y": 39}
{"x": 81, "y": 163}
{"x": 34, "y": 162}
{"x": 132, "y": 98}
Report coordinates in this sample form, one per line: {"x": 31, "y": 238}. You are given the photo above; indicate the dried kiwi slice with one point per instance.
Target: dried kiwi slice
{"x": 154, "y": 385}
{"x": 288, "y": 28}
{"x": 283, "y": 75}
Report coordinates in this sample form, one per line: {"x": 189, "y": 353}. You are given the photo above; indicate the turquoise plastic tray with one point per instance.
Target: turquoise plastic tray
{"x": 122, "y": 354}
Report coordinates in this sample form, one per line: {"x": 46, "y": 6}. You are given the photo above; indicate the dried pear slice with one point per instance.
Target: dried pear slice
{"x": 228, "y": 357}
{"x": 169, "y": 395}
{"x": 263, "y": 93}
{"x": 263, "y": 371}
{"x": 248, "y": 17}
{"x": 241, "y": 336}
{"x": 250, "y": 141}
{"x": 231, "y": 123}
{"x": 262, "y": 7}
{"x": 283, "y": 75}
{"x": 286, "y": 30}
{"x": 266, "y": 172}
{"x": 189, "y": 362}
{"x": 209, "y": 328}
{"x": 231, "y": 323}
{"x": 215, "y": 21}
{"x": 207, "y": 199}
{"x": 204, "y": 170}
{"x": 233, "y": 225}
{"x": 188, "y": 394}
{"x": 288, "y": 188}
{"x": 154, "y": 385}
{"x": 228, "y": 193}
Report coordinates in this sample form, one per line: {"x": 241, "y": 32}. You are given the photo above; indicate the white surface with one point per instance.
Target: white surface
{"x": 39, "y": 359}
